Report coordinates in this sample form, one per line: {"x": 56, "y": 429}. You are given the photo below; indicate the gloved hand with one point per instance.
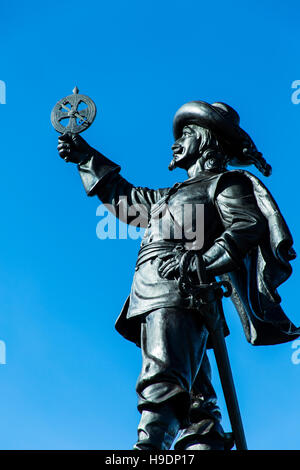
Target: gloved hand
{"x": 73, "y": 148}
{"x": 169, "y": 266}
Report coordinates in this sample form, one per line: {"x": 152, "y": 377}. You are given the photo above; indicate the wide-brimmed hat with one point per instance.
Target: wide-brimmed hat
{"x": 224, "y": 122}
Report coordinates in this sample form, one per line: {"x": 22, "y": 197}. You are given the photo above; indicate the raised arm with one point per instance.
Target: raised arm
{"x": 100, "y": 176}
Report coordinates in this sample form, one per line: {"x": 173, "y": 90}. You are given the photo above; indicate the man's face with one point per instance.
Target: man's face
{"x": 186, "y": 148}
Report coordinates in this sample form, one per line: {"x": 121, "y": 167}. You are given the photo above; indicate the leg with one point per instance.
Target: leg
{"x": 204, "y": 431}
{"x": 173, "y": 343}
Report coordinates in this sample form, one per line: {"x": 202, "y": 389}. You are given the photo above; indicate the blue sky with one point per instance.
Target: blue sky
{"x": 69, "y": 381}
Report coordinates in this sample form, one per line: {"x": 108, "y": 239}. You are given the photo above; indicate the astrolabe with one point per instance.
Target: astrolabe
{"x": 73, "y": 114}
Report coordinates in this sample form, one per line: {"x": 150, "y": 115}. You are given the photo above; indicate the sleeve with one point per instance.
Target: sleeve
{"x": 244, "y": 224}
{"x": 100, "y": 176}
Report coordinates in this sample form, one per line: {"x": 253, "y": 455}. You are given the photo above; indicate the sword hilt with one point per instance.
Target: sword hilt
{"x": 205, "y": 292}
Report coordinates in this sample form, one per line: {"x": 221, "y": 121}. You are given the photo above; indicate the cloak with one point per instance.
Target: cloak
{"x": 264, "y": 269}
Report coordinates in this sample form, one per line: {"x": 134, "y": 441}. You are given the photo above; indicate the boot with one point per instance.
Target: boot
{"x": 157, "y": 429}
{"x": 212, "y": 443}
{"x": 207, "y": 434}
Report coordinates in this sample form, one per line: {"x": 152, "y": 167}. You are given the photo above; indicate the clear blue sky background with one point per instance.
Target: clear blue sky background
{"x": 69, "y": 381}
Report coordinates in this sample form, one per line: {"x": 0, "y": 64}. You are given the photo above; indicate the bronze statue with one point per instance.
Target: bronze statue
{"x": 246, "y": 243}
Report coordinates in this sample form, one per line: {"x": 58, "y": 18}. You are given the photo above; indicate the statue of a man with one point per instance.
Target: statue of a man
{"x": 245, "y": 239}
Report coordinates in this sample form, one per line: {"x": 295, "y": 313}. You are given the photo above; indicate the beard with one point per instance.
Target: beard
{"x": 178, "y": 162}
{"x": 172, "y": 164}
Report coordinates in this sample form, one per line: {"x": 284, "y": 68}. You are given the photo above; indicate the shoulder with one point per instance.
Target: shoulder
{"x": 234, "y": 183}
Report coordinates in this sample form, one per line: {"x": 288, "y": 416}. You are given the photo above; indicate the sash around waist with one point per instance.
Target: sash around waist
{"x": 152, "y": 250}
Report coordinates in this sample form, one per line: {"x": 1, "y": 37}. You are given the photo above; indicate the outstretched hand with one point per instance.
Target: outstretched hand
{"x": 73, "y": 148}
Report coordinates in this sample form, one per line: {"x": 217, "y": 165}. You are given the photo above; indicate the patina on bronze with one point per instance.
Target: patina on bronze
{"x": 246, "y": 243}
